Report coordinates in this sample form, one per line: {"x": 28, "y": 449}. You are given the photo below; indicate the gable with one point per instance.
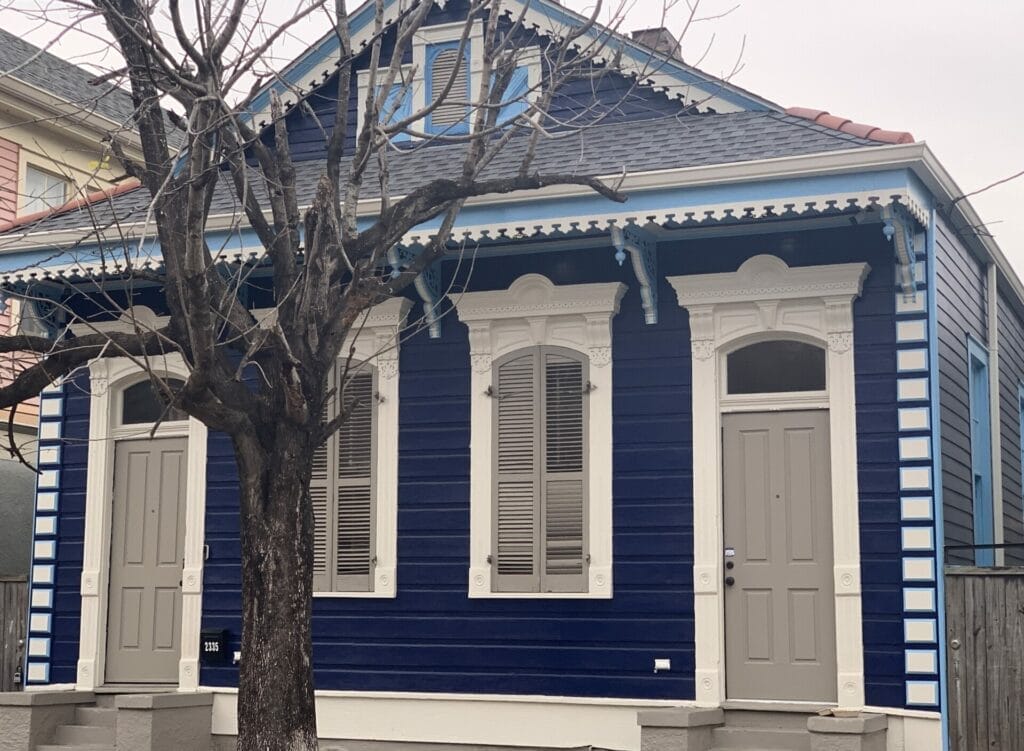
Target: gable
{"x": 612, "y": 91}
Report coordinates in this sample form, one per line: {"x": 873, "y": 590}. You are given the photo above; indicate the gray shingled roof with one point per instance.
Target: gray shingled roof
{"x": 28, "y": 63}
{"x": 666, "y": 143}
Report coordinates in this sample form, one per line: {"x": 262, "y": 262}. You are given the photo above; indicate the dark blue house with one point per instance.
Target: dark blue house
{"x": 704, "y": 448}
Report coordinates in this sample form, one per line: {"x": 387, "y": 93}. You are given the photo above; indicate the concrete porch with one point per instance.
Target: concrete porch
{"x": 87, "y": 721}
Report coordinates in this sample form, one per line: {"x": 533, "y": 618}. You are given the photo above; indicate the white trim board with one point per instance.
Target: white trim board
{"x": 533, "y": 311}
{"x": 108, "y": 377}
{"x": 766, "y": 299}
{"x": 525, "y": 721}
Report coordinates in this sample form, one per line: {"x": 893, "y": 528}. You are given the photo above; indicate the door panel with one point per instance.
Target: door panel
{"x": 777, "y": 509}
{"x": 146, "y": 552}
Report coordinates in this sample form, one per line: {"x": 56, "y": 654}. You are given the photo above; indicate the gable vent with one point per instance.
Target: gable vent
{"x": 453, "y": 110}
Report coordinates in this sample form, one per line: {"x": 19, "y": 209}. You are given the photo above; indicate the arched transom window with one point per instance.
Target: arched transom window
{"x": 775, "y": 367}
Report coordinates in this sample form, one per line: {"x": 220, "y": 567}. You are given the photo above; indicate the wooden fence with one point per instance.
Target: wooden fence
{"x": 13, "y": 611}
{"x": 985, "y": 656}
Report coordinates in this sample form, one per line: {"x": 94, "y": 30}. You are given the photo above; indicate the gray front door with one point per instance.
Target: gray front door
{"x": 779, "y": 605}
{"x": 146, "y": 550}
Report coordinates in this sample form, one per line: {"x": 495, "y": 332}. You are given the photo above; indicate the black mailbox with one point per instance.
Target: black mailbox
{"x": 213, "y": 647}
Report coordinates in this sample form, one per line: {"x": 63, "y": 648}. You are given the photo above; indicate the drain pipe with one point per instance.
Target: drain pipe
{"x": 998, "y": 535}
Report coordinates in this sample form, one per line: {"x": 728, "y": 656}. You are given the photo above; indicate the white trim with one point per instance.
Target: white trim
{"x": 763, "y": 298}
{"x": 533, "y": 311}
{"x": 107, "y": 379}
{"x": 377, "y": 341}
{"x": 526, "y": 721}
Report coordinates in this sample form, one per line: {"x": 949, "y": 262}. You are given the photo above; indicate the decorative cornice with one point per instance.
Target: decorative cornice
{"x": 534, "y": 295}
{"x": 767, "y": 277}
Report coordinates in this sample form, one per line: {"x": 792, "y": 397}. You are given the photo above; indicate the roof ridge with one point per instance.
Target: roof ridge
{"x": 845, "y": 125}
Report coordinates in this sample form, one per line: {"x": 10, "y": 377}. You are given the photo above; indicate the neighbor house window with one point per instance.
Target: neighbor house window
{"x": 981, "y": 451}
{"x": 541, "y": 443}
{"x": 43, "y": 190}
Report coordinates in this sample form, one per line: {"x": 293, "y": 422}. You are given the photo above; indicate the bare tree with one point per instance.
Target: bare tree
{"x": 265, "y": 383}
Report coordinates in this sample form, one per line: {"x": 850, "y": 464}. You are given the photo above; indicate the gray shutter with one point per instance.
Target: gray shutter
{"x": 563, "y": 478}
{"x": 320, "y": 489}
{"x": 515, "y": 546}
{"x": 356, "y": 508}
{"x": 453, "y": 110}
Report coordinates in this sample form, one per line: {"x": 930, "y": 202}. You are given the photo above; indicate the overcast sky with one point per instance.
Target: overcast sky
{"x": 948, "y": 71}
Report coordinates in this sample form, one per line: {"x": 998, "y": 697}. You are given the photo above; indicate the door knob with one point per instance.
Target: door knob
{"x": 729, "y": 581}
{"x": 729, "y": 565}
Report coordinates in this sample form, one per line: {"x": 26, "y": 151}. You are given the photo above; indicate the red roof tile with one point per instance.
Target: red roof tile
{"x": 871, "y": 132}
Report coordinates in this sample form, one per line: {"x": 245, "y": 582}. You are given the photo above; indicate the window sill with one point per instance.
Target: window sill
{"x": 353, "y": 595}
{"x": 599, "y": 587}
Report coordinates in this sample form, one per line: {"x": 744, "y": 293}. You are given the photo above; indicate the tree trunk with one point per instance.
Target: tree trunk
{"x": 276, "y": 708}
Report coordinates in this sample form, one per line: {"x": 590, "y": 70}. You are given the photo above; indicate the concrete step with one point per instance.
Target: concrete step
{"x": 767, "y": 720}
{"x": 76, "y": 747}
{"x": 746, "y": 738}
{"x": 107, "y": 717}
{"x": 72, "y": 735}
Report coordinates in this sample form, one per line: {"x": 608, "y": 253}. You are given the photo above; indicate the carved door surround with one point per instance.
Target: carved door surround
{"x": 766, "y": 299}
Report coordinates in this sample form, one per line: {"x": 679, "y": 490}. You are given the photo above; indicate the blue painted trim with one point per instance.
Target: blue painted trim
{"x": 981, "y": 449}
{"x": 526, "y": 213}
{"x": 938, "y": 511}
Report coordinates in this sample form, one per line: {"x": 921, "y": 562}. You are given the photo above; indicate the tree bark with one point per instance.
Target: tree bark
{"x": 276, "y": 708}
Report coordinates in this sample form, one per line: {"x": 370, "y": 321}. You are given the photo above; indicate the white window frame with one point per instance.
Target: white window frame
{"x": 44, "y": 202}
{"x": 534, "y": 311}
{"x": 376, "y": 342}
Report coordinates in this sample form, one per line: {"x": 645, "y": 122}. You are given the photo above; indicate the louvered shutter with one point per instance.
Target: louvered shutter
{"x": 342, "y": 490}
{"x": 514, "y": 96}
{"x": 451, "y": 115}
{"x": 540, "y": 491}
{"x": 563, "y": 478}
{"x": 355, "y": 527}
{"x": 394, "y": 111}
{"x": 516, "y": 493}
{"x": 320, "y": 489}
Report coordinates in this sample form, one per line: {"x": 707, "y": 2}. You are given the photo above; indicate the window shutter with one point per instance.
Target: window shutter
{"x": 563, "y": 476}
{"x": 398, "y": 111}
{"x": 516, "y": 497}
{"x": 451, "y": 113}
{"x": 515, "y": 96}
{"x": 342, "y": 491}
{"x": 355, "y": 528}
{"x": 320, "y": 489}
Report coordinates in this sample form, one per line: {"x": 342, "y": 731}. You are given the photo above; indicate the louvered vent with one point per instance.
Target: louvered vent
{"x": 453, "y": 109}
{"x": 320, "y": 523}
{"x": 517, "y": 525}
{"x": 355, "y": 438}
{"x": 563, "y": 388}
{"x": 355, "y": 530}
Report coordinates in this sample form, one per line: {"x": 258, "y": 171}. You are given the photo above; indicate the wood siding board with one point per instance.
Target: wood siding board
{"x": 960, "y": 302}
{"x": 431, "y": 637}
{"x": 1011, "y": 375}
